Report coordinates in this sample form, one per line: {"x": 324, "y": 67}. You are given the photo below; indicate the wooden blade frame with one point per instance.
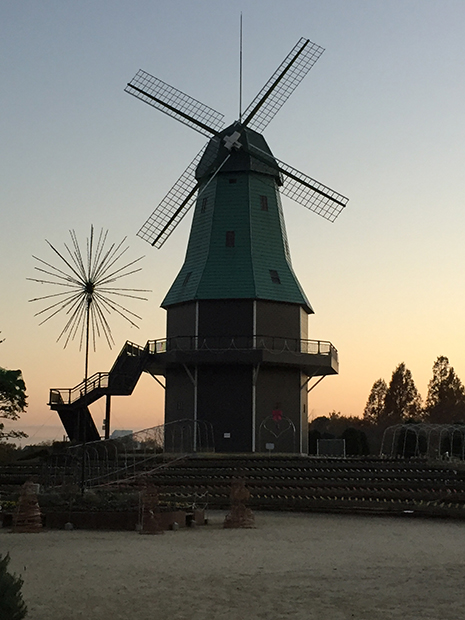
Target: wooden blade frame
{"x": 281, "y": 84}
{"x": 173, "y": 207}
{"x": 317, "y": 197}
{"x": 175, "y": 103}
{"x": 175, "y": 204}
{"x": 303, "y": 189}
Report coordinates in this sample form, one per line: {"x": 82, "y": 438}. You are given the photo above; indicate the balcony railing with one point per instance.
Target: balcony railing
{"x": 242, "y": 343}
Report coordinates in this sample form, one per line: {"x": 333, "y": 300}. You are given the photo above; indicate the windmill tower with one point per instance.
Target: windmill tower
{"x": 238, "y": 357}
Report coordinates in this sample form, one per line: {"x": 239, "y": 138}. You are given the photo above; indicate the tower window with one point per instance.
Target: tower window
{"x": 264, "y": 203}
{"x": 230, "y": 238}
{"x": 187, "y": 278}
{"x": 233, "y": 180}
{"x": 275, "y": 276}
{"x": 204, "y": 205}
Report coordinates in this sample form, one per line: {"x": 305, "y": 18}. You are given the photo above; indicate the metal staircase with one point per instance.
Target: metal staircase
{"x": 72, "y": 404}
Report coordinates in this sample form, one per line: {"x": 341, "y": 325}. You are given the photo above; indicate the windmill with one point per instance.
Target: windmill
{"x": 238, "y": 353}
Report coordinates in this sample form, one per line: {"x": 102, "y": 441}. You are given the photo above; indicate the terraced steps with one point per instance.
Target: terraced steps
{"x": 369, "y": 485}
{"x": 304, "y": 483}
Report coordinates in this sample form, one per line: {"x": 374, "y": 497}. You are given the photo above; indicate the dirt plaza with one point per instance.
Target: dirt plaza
{"x": 292, "y": 565}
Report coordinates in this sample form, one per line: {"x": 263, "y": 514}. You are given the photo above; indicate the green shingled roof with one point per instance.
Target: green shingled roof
{"x": 237, "y": 246}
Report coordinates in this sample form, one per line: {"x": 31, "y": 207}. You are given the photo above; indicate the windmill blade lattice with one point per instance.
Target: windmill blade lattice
{"x": 317, "y": 197}
{"x": 281, "y": 84}
{"x": 173, "y": 207}
{"x": 175, "y": 103}
{"x": 308, "y": 192}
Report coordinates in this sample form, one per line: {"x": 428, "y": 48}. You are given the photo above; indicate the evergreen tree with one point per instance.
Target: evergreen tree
{"x": 13, "y": 400}
{"x": 402, "y": 402}
{"x": 445, "y": 403}
{"x": 374, "y": 408}
{"x": 12, "y": 606}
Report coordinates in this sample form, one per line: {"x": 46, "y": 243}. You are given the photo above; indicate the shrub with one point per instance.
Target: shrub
{"x": 12, "y": 606}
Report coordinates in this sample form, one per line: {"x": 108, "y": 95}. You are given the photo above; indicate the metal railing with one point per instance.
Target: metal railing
{"x": 66, "y": 396}
{"x": 242, "y": 343}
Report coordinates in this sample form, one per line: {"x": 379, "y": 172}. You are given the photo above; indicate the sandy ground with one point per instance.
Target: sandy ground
{"x": 299, "y": 566}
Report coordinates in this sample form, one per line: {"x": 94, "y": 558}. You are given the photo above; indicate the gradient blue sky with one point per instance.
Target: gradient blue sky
{"x": 379, "y": 118}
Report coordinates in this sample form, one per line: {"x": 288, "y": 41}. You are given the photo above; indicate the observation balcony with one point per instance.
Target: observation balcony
{"x": 313, "y": 357}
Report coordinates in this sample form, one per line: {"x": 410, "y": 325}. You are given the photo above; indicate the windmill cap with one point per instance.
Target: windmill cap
{"x": 243, "y": 149}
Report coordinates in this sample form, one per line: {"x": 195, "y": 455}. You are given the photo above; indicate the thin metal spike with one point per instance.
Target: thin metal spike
{"x": 115, "y": 306}
{"x": 117, "y": 275}
{"x": 70, "y": 285}
{"x": 63, "y": 259}
{"x": 61, "y": 305}
{"x": 76, "y": 254}
{"x": 100, "y": 248}
{"x": 109, "y": 292}
{"x": 50, "y": 296}
{"x": 98, "y": 265}
{"x": 110, "y": 261}
{"x": 105, "y": 326}
{"x": 63, "y": 273}
{"x": 59, "y": 309}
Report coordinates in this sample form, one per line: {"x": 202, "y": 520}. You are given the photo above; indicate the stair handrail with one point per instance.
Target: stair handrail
{"x": 67, "y": 396}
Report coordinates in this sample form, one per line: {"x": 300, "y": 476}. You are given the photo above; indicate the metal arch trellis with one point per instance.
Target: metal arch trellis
{"x": 436, "y": 437}
{"x": 120, "y": 460}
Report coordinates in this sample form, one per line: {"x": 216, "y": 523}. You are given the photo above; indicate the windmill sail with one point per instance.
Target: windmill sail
{"x": 175, "y": 103}
{"x": 173, "y": 207}
{"x": 308, "y": 192}
{"x": 282, "y": 84}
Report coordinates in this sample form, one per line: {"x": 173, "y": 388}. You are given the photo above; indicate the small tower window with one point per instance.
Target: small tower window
{"x": 230, "y": 238}
{"x": 204, "y": 205}
{"x": 264, "y": 203}
{"x": 233, "y": 180}
{"x": 187, "y": 278}
{"x": 275, "y": 276}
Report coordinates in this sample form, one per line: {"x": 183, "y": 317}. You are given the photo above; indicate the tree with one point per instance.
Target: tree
{"x": 13, "y": 400}
{"x": 373, "y": 412}
{"x": 445, "y": 403}
{"x": 12, "y": 606}
{"x": 402, "y": 402}
{"x": 356, "y": 442}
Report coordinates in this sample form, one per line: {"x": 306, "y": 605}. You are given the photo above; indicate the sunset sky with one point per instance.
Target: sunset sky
{"x": 379, "y": 118}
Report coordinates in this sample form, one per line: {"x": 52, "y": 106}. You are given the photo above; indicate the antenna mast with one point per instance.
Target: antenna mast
{"x": 240, "y": 73}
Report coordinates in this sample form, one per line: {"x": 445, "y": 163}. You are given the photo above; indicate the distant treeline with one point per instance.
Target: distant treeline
{"x": 398, "y": 402}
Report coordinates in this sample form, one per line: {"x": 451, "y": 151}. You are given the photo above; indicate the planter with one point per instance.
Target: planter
{"x": 113, "y": 520}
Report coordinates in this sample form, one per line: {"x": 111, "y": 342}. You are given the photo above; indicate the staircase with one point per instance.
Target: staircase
{"x": 72, "y": 404}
